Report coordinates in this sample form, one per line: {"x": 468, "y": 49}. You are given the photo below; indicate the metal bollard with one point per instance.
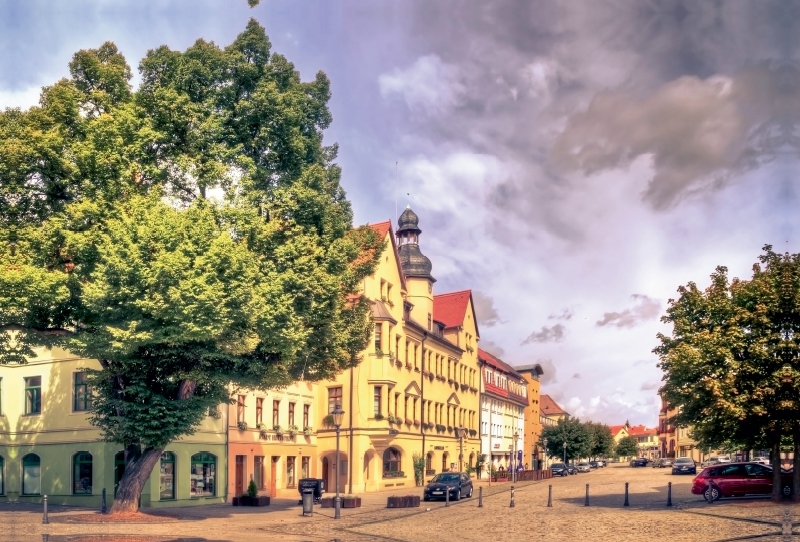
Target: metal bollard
{"x": 587, "y": 496}
{"x": 480, "y": 497}
{"x": 550, "y": 496}
{"x": 626, "y": 495}
{"x": 669, "y": 494}
{"x": 512, "y": 498}
{"x": 447, "y": 496}
{"x": 103, "y": 508}
{"x": 45, "y": 520}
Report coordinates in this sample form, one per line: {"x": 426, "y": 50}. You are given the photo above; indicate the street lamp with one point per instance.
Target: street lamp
{"x": 515, "y": 461}
{"x": 338, "y": 414}
{"x": 544, "y": 442}
{"x": 461, "y": 434}
{"x": 565, "y": 452}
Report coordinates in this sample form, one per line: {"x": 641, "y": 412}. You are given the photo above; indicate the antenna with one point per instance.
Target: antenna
{"x": 395, "y": 190}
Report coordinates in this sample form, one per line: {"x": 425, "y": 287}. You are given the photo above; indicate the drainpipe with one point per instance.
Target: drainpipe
{"x": 422, "y": 403}
{"x": 350, "y": 441}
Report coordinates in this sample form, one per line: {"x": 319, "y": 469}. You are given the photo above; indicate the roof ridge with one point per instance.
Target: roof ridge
{"x": 454, "y": 293}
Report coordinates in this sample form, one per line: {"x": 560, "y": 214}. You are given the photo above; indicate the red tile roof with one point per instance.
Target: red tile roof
{"x": 497, "y": 363}
{"x": 549, "y": 407}
{"x": 450, "y": 309}
{"x": 641, "y": 431}
{"x": 383, "y": 229}
{"x": 615, "y": 429}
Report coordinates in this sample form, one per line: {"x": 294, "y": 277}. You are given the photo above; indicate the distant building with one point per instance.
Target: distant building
{"x": 533, "y": 424}
{"x": 550, "y": 411}
{"x": 647, "y": 439}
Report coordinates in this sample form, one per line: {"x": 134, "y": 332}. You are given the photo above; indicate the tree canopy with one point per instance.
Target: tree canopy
{"x": 191, "y": 235}
{"x": 627, "y": 447}
{"x": 732, "y": 363}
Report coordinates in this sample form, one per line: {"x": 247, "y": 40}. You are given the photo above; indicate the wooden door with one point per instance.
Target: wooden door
{"x": 239, "y": 487}
{"x": 273, "y": 477}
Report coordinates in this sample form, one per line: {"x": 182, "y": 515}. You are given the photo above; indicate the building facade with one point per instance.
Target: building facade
{"x": 504, "y": 397}
{"x": 647, "y": 439}
{"x": 48, "y": 447}
{"x": 534, "y": 452}
{"x": 416, "y": 387}
{"x": 667, "y": 437}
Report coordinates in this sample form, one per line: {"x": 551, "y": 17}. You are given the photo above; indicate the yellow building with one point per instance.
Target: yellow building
{"x": 48, "y": 447}
{"x": 533, "y": 422}
{"x": 416, "y": 385}
{"x": 647, "y": 439}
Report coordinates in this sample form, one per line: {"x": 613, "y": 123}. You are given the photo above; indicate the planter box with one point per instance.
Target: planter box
{"x": 351, "y": 502}
{"x": 408, "y": 501}
{"x": 326, "y": 502}
{"x": 250, "y": 501}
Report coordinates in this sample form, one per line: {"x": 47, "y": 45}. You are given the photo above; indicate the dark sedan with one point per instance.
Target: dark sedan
{"x": 639, "y": 462}
{"x": 594, "y": 464}
{"x": 559, "y": 469}
{"x": 456, "y": 484}
{"x": 684, "y": 465}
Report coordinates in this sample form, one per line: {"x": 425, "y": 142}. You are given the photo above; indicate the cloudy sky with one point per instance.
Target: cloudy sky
{"x": 571, "y": 162}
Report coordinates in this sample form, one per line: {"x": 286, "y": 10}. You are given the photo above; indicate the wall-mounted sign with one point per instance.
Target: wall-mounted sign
{"x": 438, "y": 447}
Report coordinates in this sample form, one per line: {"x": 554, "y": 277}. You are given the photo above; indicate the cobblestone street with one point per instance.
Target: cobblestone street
{"x": 689, "y": 519}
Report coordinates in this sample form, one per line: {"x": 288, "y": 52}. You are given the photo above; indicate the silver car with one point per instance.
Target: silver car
{"x": 583, "y": 467}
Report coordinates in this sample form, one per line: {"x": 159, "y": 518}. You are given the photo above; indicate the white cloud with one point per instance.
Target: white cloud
{"x": 428, "y": 84}
{"x": 554, "y": 333}
{"x": 22, "y": 98}
{"x": 645, "y": 309}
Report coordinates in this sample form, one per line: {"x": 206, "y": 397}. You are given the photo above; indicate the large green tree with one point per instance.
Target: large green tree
{"x": 601, "y": 439}
{"x": 191, "y": 235}
{"x": 732, "y": 364}
{"x": 627, "y": 447}
{"x": 570, "y": 431}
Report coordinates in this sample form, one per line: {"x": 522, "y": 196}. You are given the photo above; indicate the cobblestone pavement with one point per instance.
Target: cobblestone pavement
{"x": 690, "y": 519}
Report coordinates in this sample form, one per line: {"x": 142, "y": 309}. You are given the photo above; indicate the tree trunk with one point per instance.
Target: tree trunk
{"x": 776, "y": 469}
{"x": 137, "y": 472}
{"x": 796, "y": 465}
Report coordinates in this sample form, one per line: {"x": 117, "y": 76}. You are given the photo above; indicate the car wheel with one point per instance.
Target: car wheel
{"x": 469, "y": 496}
{"x": 426, "y": 498}
{"x": 458, "y": 495}
{"x": 711, "y": 493}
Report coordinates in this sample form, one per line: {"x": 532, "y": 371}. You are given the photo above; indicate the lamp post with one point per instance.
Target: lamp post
{"x": 565, "y": 452}
{"x": 461, "y": 432}
{"x": 516, "y": 466}
{"x": 338, "y": 414}
{"x": 544, "y": 442}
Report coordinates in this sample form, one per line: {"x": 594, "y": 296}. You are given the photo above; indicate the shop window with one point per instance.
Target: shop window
{"x": 167, "y": 479}
{"x": 290, "y": 460}
{"x": 81, "y": 393}
{"x": 82, "y": 473}
{"x": 203, "y": 475}
{"x": 31, "y": 475}
{"x": 33, "y": 395}
{"x": 391, "y": 461}
{"x": 258, "y": 471}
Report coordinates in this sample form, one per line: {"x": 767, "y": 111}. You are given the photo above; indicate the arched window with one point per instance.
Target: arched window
{"x": 204, "y": 475}
{"x": 444, "y": 462}
{"x": 31, "y": 475}
{"x": 429, "y": 461}
{"x": 391, "y": 461}
{"x": 167, "y": 483}
{"x": 82, "y": 473}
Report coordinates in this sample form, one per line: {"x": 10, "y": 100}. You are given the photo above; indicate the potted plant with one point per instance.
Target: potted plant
{"x": 430, "y": 377}
{"x": 327, "y": 421}
{"x": 440, "y": 428}
{"x": 278, "y": 430}
{"x": 308, "y": 431}
{"x": 408, "y": 365}
{"x": 407, "y": 501}
{"x": 378, "y": 416}
{"x": 351, "y": 501}
{"x": 392, "y": 357}
{"x": 398, "y": 363}
{"x": 390, "y": 418}
{"x": 292, "y": 431}
{"x": 409, "y": 421}
{"x": 378, "y": 353}
{"x": 449, "y": 428}
{"x": 242, "y": 426}
{"x": 473, "y": 432}
{"x": 253, "y": 498}
{"x": 416, "y": 423}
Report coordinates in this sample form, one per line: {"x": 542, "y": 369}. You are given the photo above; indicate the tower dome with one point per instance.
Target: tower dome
{"x": 412, "y": 260}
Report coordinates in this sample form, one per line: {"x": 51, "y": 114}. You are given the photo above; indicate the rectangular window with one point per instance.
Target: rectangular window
{"x": 376, "y": 400}
{"x": 259, "y": 410}
{"x": 258, "y": 471}
{"x": 290, "y": 471}
{"x": 81, "y": 393}
{"x": 378, "y": 338}
{"x": 305, "y": 468}
{"x": 167, "y": 477}
{"x": 306, "y": 412}
{"x": 240, "y": 409}
{"x": 416, "y": 357}
{"x": 33, "y": 395}
{"x": 334, "y": 398}
{"x": 276, "y": 413}
{"x": 291, "y": 414}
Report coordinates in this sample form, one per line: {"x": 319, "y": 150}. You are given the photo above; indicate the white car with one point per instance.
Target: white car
{"x": 724, "y": 459}
{"x": 762, "y": 460}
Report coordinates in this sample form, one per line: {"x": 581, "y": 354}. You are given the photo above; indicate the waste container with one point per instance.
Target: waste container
{"x": 316, "y": 485}
{"x": 308, "y": 502}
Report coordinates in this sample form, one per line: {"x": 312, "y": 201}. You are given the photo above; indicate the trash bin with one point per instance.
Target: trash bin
{"x": 308, "y": 502}
{"x": 316, "y": 485}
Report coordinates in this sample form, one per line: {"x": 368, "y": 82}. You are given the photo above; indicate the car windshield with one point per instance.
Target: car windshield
{"x": 557, "y": 466}
{"x": 449, "y": 477}
{"x": 687, "y": 460}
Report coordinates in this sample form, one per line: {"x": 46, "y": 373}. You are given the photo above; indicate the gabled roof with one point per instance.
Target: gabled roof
{"x": 450, "y": 309}
{"x": 497, "y": 363}
{"x": 533, "y": 369}
{"x": 383, "y": 229}
{"x": 548, "y": 407}
{"x": 615, "y": 429}
{"x": 641, "y": 431}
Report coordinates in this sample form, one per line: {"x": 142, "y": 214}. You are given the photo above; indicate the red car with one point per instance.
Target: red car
{"x": 738, "y": 479}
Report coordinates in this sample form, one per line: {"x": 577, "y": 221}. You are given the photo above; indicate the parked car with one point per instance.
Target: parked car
{"x": 572, "y": 469}
{"x": 457, "y": 484}
{"x": 639, "y": 462}
{"x": 602, "y": 463}
{"x": 662, "y": 462}
{"x": 684, "y": 465}
{"x": 712, "y": 461}
{"x": 737, "y": 479}
{"x": 583, "y": 467}
{"x": 594, "y": 464}
{"x": 559, "y": 469}
{"x": 761, "y": 460}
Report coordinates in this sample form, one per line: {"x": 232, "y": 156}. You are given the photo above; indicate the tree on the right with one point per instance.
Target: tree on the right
{"x": 732, "y": 362}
